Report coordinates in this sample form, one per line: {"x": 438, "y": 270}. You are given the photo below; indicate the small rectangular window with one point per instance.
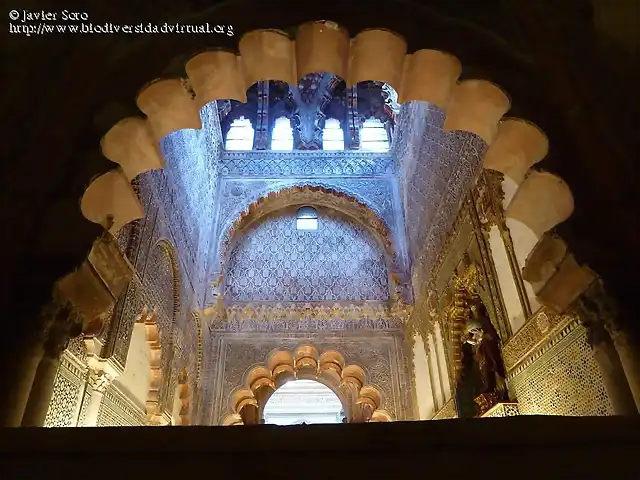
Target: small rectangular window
{"x": 307, "y": 224}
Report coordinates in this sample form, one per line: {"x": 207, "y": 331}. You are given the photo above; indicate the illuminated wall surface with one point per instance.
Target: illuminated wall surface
{"x": 311, "y": 280}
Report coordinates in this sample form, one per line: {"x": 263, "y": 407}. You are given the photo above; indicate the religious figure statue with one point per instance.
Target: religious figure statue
{"x": 483, "y": 338}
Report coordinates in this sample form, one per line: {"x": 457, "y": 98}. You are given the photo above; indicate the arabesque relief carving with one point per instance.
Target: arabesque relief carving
{"x": 310, "y": 316}
{"x": 315, "y": 196}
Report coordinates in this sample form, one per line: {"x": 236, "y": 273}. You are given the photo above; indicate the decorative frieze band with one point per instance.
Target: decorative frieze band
{"x": 307, "y": 317}
{"x": 261, "y": 163}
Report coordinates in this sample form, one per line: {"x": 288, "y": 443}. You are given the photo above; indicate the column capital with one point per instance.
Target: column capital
{"x": 596, "y": 306}
{"x": 99, "y": 380}
{"x": 596, "y": 332}
{"x": 64, "y": 324}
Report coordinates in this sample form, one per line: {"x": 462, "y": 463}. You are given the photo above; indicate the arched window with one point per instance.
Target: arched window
{"x": 240, "y": 135}
{"x": 332, "y": 135}
{"x": 307, "y": 218}
{"x": 282, "y": 135}
{"x": 374, "y": 136}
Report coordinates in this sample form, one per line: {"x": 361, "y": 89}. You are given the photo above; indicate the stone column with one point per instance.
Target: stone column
{"x": 262, "y": 137}
{"x": 628, "y": 357}
{"x": 98, "y": 381}
{"x": 250, "y": 415}
{"x": 610, "y": 366}
{"x": 22, "y": 371}
{"x": 65, "y": 326}
{"x": 24, "y": 356}
{"x": 352, "y": 128}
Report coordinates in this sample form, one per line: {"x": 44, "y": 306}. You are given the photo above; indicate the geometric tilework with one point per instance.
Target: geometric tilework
{"x": 565, "y": 380}
{"x": 68, "y": 388}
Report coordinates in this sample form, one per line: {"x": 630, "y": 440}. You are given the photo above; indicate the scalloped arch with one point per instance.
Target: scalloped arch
{"x": 362, "y": 402}
{"x": 373, "y": 54}
{"x": 427, "y": 75}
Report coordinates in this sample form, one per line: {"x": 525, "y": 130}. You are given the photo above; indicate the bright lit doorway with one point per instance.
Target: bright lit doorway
{"x": 303, "y": 401}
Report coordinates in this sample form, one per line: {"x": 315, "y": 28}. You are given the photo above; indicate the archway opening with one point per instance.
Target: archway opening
{"x": 303, "y": 401}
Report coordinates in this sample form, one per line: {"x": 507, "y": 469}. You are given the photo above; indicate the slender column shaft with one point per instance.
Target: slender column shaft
{"x": 630, "y": 360}
{"x": 98, "y": 383}
{"x": 64, "y": 326}
{"x": 610, "y": 350}
{"x": 18, "y": 386}
{"x": 613, "y": 377}
{"x": 41, "y": 392}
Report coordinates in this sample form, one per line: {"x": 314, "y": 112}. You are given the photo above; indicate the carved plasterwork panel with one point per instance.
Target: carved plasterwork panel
{"x": 381, "y": 357}
{"x": 503, "y": 410}
{"x": 436, "y": 170}
{"x": 191, "y": 171}
{"x": 306, "y": 317}
{"x": 275, "y": 262}
{"x": 377, "y": 194}
{"x": 304, "y": 163}
{"x": 384, "y": 219}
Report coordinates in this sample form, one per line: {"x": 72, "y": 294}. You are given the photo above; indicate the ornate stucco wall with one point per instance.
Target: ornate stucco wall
{"x": 168, "y": 249}
{"x": 246, "y": 177}
{"x": 379, "y": 351}
{"x": 435, "y": 171}
{"x": 273, "y": 261}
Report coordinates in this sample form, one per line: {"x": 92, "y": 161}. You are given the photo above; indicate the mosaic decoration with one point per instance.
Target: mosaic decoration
{"x": 315, "y": 163}
{"x": 503, "y": 410}
{"x": 275, "y": 262}
{"x": 563, "y": 380}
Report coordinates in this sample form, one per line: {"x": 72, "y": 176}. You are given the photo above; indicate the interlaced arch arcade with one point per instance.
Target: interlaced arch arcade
{"x": 446, "y": 238}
